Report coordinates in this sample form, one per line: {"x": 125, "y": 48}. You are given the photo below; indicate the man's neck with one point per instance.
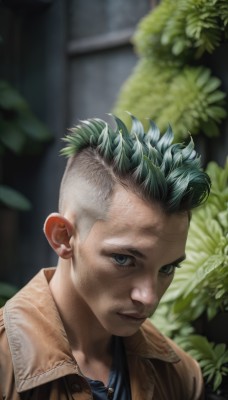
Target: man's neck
{"x": 84, "y": 332}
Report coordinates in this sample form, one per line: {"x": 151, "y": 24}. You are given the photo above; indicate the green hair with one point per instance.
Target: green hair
{"x": 159, "y": 169}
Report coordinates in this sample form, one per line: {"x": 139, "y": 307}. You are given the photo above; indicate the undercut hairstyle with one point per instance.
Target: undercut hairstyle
{"x": 148, "y": 163}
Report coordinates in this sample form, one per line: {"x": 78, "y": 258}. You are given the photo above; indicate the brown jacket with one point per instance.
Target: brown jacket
{"x": 36, "y": 361}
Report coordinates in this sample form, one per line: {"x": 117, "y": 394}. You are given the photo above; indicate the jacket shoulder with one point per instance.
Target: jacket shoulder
{"x": 6, "y": 366}
{"x": 2, "y": 328}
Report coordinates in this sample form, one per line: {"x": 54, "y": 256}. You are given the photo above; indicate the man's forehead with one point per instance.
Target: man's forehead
{"x": 129, "y": 213}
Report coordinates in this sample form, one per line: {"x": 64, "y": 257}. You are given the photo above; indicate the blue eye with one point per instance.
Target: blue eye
{"x": 121, "y": 259}
{"x": 169, "y": 269}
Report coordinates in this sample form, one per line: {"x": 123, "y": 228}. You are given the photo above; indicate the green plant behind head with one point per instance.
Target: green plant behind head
{"x": 199, "y": 291}
{"x": 148, "y": 162}
{"x": 169, "y": 82}
{"x": 21, "y": 133}
{"x": 183, "y": 28}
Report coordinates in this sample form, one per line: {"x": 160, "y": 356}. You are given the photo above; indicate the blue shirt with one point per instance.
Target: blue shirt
{"x": 118, "y": 386}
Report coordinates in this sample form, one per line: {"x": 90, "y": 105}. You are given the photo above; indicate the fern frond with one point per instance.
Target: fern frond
{"x": 213, "y": 358}
{"x": 191, "y": 101}
{"x": 189, "y": 98}
{"x": 147, "y": 38}
{"x": 197, "y": 283}
{"x": 182, "y": 29}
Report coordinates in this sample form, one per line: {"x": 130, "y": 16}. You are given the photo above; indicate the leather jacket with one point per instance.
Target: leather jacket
{"x": 36, "y": 361}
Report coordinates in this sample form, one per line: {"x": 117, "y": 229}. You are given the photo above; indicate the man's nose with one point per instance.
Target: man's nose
{"x": 146, "y": 294}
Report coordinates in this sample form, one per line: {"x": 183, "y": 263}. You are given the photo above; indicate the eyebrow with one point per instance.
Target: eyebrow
{"x": 178, "y": 260}
{"x": 134, "y": 252}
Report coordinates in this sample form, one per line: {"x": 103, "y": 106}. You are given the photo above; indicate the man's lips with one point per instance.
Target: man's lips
{"x": 133, "y": 317}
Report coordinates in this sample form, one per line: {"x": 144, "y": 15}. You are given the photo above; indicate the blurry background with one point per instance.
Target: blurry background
{"x": 68, "y": 59}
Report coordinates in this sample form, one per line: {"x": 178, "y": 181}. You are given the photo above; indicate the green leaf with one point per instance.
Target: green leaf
{"x": 223, "y": 219}
{"x": 217, "y": 381}
{"x": 7, "y": 290}
{"x": 13, "y": 199}
{"x": 220, "y": 293}
{"x": 216, "y": 96}
{"x": 10, "y": 99}
{"x": 211, "y": 311}
{"x": 203, "y": 77}
{"x": 202, "y": 273}
{"x": 32, "y": 127}
{"x": 179, "y": 47}
{"x": 212, "y": 84}
{"x": 210, "y": 128}
{"x": 11, "y": 136}
{"x": 220, "y": 350}
{"x": 201, "y": 343}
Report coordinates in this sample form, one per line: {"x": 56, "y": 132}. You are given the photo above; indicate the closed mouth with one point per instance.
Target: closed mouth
{"x": 133, "y": 317}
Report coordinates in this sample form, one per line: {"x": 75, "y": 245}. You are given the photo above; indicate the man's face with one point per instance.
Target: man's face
{"x": 126, "y": 263}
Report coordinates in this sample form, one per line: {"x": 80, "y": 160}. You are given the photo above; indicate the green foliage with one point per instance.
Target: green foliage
{"x": 199, "y": 281}
{"x": 18, "y": 125}
{"x": 201, "y": 285}
{"x": 188, "y": 98}
{"x": 13, "y": 199}
{"x": 168, "y": 85}
{"x": 6, "y": 292}
{"x": 20, "y": 132}
{"x": 183, "y": 27}
{"x": 145, "y": 91}
{"x": 212, "y": 358}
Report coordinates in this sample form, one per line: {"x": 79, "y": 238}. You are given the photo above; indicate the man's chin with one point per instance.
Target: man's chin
{"x": 128, "y": 330}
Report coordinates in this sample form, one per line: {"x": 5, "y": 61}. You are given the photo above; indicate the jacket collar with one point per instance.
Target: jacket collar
{"x": 149, "y": 343}
{"x": 38, "y": 342}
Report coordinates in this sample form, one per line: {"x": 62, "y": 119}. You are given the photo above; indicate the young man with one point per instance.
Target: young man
{"x": 81, "y": 331}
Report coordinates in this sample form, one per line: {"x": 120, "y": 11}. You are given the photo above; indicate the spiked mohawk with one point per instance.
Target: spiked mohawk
{"x": 164, "y": 171}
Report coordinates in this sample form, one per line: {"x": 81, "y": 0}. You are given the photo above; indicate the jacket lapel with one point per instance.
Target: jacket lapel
{"x": 147, "y": 344}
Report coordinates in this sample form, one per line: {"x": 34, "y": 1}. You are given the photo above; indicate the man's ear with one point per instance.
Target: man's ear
{"x": 58, "y": 231}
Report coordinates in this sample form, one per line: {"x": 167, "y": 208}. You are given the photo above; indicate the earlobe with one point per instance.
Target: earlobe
{"x": 58, "y": 231}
